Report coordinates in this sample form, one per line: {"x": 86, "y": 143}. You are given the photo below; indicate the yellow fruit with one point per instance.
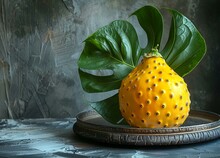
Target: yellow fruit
{"x": 153, "y": 95}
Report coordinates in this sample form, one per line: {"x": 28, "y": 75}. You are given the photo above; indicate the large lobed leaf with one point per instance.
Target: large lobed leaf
{"x": 151, "y": 21}
{"x": 115, "y": 47}
{"x": 185, "y": 47}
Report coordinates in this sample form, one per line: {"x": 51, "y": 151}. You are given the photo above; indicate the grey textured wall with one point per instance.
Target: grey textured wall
{"x": 41, "y": 40}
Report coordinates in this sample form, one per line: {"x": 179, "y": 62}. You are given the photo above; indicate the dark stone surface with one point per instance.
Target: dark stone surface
{"x": 55, "y": 138}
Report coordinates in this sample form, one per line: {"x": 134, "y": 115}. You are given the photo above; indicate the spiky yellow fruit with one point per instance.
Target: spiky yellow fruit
{"x": 153, "y": 95}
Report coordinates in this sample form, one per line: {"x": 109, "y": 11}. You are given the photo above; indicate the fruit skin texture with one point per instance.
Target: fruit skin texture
{"x": 153, "y": 95}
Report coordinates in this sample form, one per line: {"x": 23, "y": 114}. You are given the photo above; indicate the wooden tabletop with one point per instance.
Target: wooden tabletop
{"x": 55, "y": 138}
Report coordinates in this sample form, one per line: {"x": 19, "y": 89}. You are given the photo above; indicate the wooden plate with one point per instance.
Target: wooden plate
{"x": 200, "y": 126}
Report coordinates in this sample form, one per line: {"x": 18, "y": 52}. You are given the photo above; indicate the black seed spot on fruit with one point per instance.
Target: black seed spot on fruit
{"x": 183, "y": 116}
{"x": 156, "y": 98}
{"x": 141, "y": 105}
{"x": 147, "y": 80}
{"x": 148, "y": 88}
{"x": 154, "y": 61}
{"x": 181, "y": 82}
{"x": 153, "y": 77}
{"x": 162, "y": 91}
{"x": 147, "y": 66}
{"x": 154, "y": 85}
{"x": 159, "y": 122}
{"x": 176, "y": 84}
{"x": 123, "y": 111}
{"x": 130, "y": 81}
{"x": 132, "y": 115}
{"x": 160, "y": 79}
{"x": 167, "y": 80}
{"x": 138, "y": 78}
{"x": 159, "y": 63}
{"x": 139, "y": 94}
{"x": 171, "y": 96}
{"x": 160, "y": 72}
{"x": 187, "y": 103}
{"x": 128, "y": 88}
{"x": 142, "y": 121}
{"x": 181, "y": 97}
{"x": 157, "y": 113}
{"x": 175, "y": 124}
{"x": 127, "y": 104}
{"x": 163, "y": 64}
{"x": 170, "y": 74}
{"x": 181, "y": 108}
{"x": 148, "y": 101}
{"x": 165, "y": 125}
{"x": 149, "y": 72}
{"x": 175, "y": 106}
{"x": 148, "y": 113}
{"x": 163, "y": 106}
{"x": 155, "y": 67}
{"x": 177, "y": 118}
{"x": 168, "y": 114}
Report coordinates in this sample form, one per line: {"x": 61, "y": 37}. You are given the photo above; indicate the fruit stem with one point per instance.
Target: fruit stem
{"x": 154, "y": 52}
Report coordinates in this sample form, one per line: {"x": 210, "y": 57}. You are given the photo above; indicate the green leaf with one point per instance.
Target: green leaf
{"x": 185, "y": 47}
{"x": 109, "y": 109}
{"x": 114, "y": 47}
{"x": 151, "y": 21}
{"x": 92, "y": 83}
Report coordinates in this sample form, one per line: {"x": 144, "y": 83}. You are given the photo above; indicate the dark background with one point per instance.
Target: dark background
{"x": 41, "y": 40}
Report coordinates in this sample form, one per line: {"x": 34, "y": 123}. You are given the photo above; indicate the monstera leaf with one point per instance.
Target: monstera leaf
{"x": 185, "y": 47}
{"x": 151, "y": 21}
{"x": 115, "y": 49}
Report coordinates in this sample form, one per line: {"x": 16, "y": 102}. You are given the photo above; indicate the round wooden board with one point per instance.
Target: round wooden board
{"x": 200, "y": 126}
